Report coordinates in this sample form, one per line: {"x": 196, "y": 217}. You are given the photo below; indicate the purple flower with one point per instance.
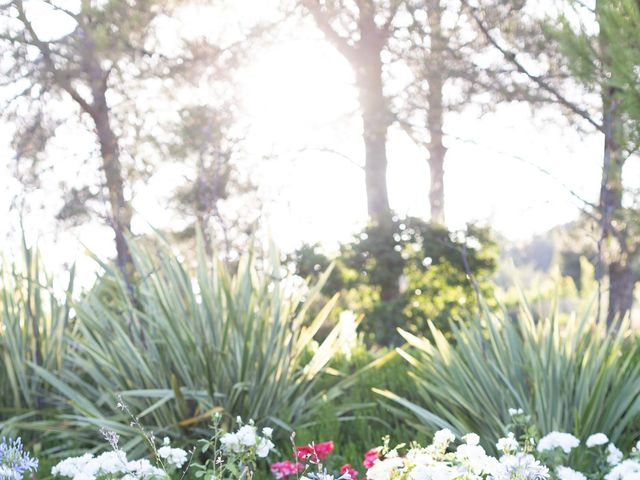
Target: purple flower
{"x": 14, "y": 461}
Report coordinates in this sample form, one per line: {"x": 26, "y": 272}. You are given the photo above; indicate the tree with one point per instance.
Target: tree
{"x": 434, "y": 58}
{"x": 603, "y": 64}
{"x": 204, "y": 142}
{"x": 442, "y": 272}
{"x": 360, "y": 30}
{"x": 113, "y": 64}
{"x": 86, "y": 65}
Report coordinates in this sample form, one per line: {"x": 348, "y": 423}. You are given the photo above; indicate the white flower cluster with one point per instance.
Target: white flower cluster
{"x": 627, "y": 470}
{"x": 88, "y": 467}
{"x": 614, "y": 455}
{"x": 596, "y": 439}
{"x": 468, "y": 461}
{"x": 175, "y": 457}
{"x": 116, "y": 465}
{"x": 519, "y": 466}
{"x": 508, "y": 444}
{"x": 566, "y": 473}
{"x": 562, "y": 440}
{"x": 246, "y": 439}
{"x": 620, "y": 470}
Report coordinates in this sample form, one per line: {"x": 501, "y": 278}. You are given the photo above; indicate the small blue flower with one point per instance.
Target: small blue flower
{"x": 14, "y": 461}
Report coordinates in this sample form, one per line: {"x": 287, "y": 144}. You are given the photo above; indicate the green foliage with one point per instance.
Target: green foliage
{"x": 429, "y": 264}
{"x": 569, "y": 374}
{"x": 182, "y": 348}
{"x": 605, "y": 59}
{"x": 355, "y": 431}
{"x": 33, "y": 326}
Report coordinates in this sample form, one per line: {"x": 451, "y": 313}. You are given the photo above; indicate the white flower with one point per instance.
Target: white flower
{"x": 615, "y": 455}
{"x": 263, "y": 448}
{"x": 85, "y": 476}
{"x": 175, "y": 456}
{"x": 443, "y": 437}
{"x": 638, "y": 445}
{"x": 142, "y": 469}
{"x": 323, "y": 476}
{"x": 437, "y": 471}
{"x": 627, "y": 470}
{"x": 70, "y": 467}
{"x": 382, "y": 469}
{"x": 247, "y": 435}
{"x": 166, "y": 441}
{"x": 515, "y": 411}
{"x": 471, "y": 439}
{"x": 230, "y": 442}
{"x": 566, "y": 473}
{"x": 108, "y": 463}
{"x": 421, "y": 456}
{"x": 562, "y": 440}
{"x": 474, "y": 456}
{"x": 267, "y": 432}
{"x": 507, "y": 444}
{"x": 521, "y": 466}
{"x": 596, "y": 439}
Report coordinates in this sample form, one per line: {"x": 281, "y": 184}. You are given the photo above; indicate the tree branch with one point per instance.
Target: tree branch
{"x": 45, "y": 50}
{"x": 511, "y": 58}
{"x": 322, "y": 21}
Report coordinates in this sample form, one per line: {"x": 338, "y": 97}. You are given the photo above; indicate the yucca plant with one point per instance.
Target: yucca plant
{"x": 179, "y": 346}
{"x": 570, "y": 374}
{"x": 34, "y": 320}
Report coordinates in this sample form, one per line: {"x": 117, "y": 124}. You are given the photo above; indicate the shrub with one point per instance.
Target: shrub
{"x": 423, "y": 270}
{"x": 570, "y": 375}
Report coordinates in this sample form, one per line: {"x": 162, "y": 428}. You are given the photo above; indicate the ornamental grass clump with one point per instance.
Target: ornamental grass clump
{"x": 181, "y": 343}
{"x": 569, "y": 374}
{"x": 34, "y": 328}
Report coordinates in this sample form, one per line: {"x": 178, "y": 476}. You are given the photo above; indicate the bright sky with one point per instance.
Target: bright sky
{"x": 301, "y": 103}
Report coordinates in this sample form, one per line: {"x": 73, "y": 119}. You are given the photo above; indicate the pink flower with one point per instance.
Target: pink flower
{"x": 285, "y": 469}
{"x": 314, "y": 452}
{"x": 370, "y": 458}
{"x": 348, "y": 469}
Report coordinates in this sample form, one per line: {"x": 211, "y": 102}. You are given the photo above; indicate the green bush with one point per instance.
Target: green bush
{"x": 569, "y": 374}
{"x": 425, "y": 267}
{"x": 177, "y": 348}
{"x": 359, "y": 419}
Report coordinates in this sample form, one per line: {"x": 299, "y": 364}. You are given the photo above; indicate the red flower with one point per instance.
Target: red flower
{"x": 314, "y": 452}
{"x": 370, "y": 458}
{"x": 286, "y": 469}
{"x": 348, "y": 469}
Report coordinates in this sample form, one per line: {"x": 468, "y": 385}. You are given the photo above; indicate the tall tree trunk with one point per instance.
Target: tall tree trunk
{"x": 109, "y": 150}
{"x": 120, "y": 209}
{"x": 618, "y": 255}
{"x": 375, "y": 124}
{"x": 364, "y": 55}
{"x": 621, "y": 286}
{"x": 376, "y": 119}
{"x": 435, "y": 112}
{"x": 621, "y": 278}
